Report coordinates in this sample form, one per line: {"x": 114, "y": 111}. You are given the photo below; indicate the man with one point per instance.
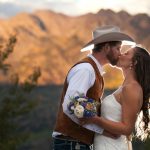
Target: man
{"x": 86, "y": 77}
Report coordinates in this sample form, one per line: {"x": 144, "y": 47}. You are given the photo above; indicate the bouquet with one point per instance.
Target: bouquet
{"x": 82, "y": 106}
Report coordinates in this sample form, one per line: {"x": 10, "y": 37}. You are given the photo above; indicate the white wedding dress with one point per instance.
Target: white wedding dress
{"x": 111, "y": 110}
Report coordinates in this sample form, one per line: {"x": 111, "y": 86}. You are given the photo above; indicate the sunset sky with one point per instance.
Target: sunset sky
{"x": 72, "y": 7}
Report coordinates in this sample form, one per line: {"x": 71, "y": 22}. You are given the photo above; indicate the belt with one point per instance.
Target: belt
{"x": 63, "y": 137}
{"x": 74, "y": 144}
{"x": 66, "y": 138}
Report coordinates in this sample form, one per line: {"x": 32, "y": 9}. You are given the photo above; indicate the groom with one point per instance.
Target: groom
{"x": 86, "y": 77}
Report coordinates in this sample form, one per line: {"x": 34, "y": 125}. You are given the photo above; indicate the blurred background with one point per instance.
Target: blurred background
{"x": 39, "y": 41}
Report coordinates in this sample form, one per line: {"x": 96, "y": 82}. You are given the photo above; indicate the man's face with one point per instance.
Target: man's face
{"x": 113, "y": 54}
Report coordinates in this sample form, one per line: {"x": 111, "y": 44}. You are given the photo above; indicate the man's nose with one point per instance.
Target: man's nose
{"x": 119, "y": 54}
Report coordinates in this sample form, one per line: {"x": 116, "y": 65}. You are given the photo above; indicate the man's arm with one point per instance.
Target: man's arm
{"x": 78, "y": 82}
{"x": 80, "y": 79}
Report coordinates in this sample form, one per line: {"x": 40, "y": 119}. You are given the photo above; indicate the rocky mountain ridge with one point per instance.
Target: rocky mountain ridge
{"x": 53, "y": 41}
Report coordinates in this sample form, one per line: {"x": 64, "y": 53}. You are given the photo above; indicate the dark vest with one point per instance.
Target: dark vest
{"x": 64, "y": 124}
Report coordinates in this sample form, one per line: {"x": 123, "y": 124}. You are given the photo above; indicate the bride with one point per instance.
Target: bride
{"x": 119, "y": 111}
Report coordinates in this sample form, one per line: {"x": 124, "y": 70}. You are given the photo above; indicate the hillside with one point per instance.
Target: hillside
{"x": 53, "y": 40}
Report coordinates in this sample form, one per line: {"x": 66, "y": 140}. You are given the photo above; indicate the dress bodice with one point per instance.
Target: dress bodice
{"x": 111, "y": 108}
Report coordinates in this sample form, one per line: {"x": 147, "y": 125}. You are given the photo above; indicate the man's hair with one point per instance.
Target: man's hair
{"x": 98, "y": 47}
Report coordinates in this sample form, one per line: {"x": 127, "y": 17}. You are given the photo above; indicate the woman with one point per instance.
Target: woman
{"x": 119, "y": 110}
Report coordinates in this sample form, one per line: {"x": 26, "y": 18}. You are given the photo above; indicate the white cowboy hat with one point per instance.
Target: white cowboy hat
{"x": 106, "y": 34}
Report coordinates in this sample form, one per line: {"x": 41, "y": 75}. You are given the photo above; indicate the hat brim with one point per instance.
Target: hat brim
{"x": 113, "y": 36}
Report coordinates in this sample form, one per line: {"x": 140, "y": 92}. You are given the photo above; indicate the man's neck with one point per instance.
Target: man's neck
{"x": 100, "y": 58}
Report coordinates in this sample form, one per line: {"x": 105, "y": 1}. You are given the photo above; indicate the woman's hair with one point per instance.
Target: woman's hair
{"x": 98, "y": 47}
{"x": 141, "y": 59}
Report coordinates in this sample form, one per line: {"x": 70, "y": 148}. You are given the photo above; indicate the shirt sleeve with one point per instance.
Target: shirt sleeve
{"x": 79, "y": 81}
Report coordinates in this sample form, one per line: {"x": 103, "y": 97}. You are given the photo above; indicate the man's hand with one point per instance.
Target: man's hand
{"x": 83, "y": 121}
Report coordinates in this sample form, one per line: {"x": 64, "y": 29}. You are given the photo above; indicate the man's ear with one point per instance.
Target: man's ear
{"x": 107, "y": 47}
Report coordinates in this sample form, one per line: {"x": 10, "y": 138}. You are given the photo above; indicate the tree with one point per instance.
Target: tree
{"x": 14, "y": 102}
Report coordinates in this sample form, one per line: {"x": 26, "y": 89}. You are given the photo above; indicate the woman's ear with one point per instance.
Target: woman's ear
{"x": 135, "y": 63}
{"x": 132, "y": 65}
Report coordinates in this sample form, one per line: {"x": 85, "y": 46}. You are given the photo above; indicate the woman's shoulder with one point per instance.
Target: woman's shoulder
{"x": 132, "y": 91}
{"x": 132, "y": 87}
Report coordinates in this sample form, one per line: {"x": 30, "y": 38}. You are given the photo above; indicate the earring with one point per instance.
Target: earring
{"x": 131, "y": 66}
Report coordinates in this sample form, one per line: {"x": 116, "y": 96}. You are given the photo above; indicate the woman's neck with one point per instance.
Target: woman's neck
{"x": 129, "y": 76}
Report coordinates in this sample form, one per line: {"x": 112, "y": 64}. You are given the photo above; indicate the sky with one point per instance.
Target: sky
{"x": 10, "y": 8}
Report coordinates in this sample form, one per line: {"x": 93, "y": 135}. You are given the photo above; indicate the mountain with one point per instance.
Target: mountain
{"x": 53, "y": 40}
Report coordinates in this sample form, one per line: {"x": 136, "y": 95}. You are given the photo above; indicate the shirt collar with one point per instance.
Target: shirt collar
{"x": 100, "y": 68}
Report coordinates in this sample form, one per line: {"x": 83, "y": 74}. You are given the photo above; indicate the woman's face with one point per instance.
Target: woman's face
{"x": 125, "y": 60}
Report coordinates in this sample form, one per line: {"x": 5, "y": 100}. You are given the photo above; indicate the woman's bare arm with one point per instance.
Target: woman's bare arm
{"x": 131, "y": 104}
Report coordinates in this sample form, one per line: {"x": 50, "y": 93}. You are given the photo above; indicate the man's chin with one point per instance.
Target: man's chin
{"x": 113, "y": 63}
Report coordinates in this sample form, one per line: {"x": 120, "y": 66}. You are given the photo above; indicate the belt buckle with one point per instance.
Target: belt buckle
{"x": 77, "y": 146}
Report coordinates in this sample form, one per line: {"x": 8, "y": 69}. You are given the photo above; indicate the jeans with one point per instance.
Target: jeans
{"x": 65, "y": 144}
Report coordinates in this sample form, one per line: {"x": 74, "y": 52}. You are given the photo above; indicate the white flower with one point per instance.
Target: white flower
{"x": 82, "y": 99}
{"x": 79, "y": 111}
{"x": 72, "y": 107}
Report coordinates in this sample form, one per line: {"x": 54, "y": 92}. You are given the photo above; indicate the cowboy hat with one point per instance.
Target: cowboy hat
{"x": 106, "y": 34}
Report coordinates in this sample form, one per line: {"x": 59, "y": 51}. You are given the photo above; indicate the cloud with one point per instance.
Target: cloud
{"x": 10, "y": 9}
{"x": 72, "y": 7}
{"x": 131, "y": 6}
{"x": 69, "y": 8}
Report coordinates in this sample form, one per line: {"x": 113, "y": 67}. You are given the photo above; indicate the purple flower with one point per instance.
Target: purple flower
{"x": 88, "y": 106}
{"x": 71, "y": 104}
{"x": 83, "y": 104}
{"x": 90, "y": 100}
{"x": 85, "y": 97}
{"x": 88, "y": 113}
{"x": 76, "y": 97}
